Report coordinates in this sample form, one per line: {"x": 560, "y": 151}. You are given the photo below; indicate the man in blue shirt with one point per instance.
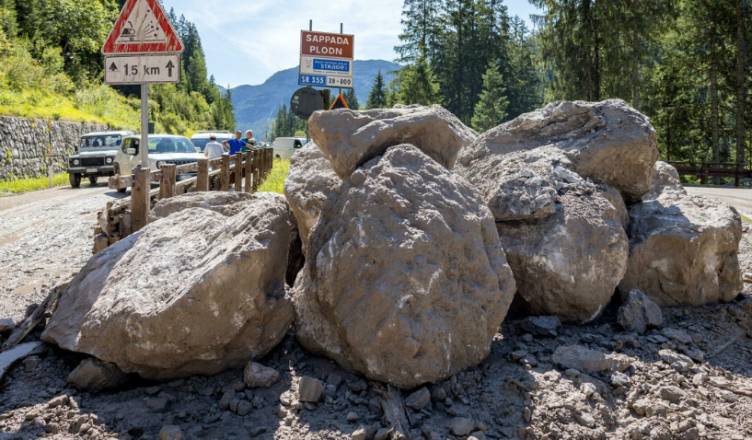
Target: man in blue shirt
{"x": 234, "y": 145}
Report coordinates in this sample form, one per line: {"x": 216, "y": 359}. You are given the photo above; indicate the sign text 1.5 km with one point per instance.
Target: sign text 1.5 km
{"x": 326, "y": 60}
{"x": 150, "y": 69}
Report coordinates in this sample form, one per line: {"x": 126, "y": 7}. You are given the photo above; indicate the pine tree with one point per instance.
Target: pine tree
{"x": 491, "y": 109}
{"x": 352, "y": 99}
{"x": 377, "y": 98}
{"x": 418, "y": 85}
{"x": 420, "y": 29}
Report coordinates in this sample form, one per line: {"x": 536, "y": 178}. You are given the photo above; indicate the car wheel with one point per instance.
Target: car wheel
{"x": 93, "y": 180}
{"x": 75, "y": 180}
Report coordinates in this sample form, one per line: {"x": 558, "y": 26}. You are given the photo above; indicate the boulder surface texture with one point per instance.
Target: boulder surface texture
{"x": 608, "y": 142}
{"x": 196, "y": 292}
{"x": 406, "y": 281}
{"x": 350, "y": 138}
{"x": 684, "y": 250}
{"x": 310, "y": 182}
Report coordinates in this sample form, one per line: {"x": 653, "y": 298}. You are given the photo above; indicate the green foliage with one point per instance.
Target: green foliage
{"x": 377, "y": 98}
{"x": 287, "y": 124}
{"x": 275, "y": 181}
{"x": 491, "y": 109}
{"x": 19, "y": 186}
{"x": 417, "y": 85}
{"x": 351, "y": 99}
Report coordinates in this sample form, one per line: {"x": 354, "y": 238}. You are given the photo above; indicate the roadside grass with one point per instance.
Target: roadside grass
{"x": 20, "y": 186}
{"x": 746, "y": 220}
{"x": 276, "y": 180}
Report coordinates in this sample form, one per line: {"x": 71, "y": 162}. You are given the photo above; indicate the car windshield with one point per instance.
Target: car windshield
{"x": 170, "y": 146}
{"x": 103, "y": 141}
{"x": 201, "y": 143}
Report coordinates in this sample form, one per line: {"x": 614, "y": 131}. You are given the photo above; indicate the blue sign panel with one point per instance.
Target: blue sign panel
{"x": 313, "y": 80}
{"x": 331, "y": 65}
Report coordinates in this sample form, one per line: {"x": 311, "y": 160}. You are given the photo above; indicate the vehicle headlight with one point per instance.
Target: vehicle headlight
{"x": 76, "y": 162}
{"x": 110, "y": 160}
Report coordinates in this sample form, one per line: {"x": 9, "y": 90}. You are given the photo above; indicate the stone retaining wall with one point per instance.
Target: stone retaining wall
{"x": 24, "y": 145}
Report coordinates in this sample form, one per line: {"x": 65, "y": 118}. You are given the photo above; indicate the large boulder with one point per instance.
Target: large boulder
{"x": 350, "y": 138}
{"x": 568, "y": 263}
{"x": 406, "y": 280}
{"x": 310, "y": 182}
{"x": 608, "y": 142}
{"x": 195, "y": 292}
{"x": 683, "y": 249}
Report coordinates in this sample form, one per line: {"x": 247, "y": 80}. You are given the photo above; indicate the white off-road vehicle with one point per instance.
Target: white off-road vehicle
{"x": 163, "y": 148}
{"x": 96, "y": 156}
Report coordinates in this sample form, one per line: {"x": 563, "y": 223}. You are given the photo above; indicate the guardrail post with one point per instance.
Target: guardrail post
{"x": 270, "y": 161}
{"x": 738, "y": 174}
{"x": 140, "y": 199}
{"x": 169, "y": 179}
{"x": 704, "y": 172}
{"x": 248, "y": 173}
{"x": 202, "y": 178}
{"x": 255, "y": 169}
{"x": 224, "y": 176}
{"x": 238, "y": 172}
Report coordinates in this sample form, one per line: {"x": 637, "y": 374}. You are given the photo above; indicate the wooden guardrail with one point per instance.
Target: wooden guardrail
{"x": 241, "y": 172}
{"x": 713, "y": 169}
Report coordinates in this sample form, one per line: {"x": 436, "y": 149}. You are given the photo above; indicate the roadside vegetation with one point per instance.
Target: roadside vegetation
{"x": 50, "y": 66}
{"x": 20, "y": 186}
{"x": 746, "y": 220}
{"x": 275, "y": 182}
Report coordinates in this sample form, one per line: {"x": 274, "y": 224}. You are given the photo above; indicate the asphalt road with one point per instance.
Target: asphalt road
{"x": 739, "y": 198}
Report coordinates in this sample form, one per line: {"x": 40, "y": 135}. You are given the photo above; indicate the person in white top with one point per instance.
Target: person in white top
{"x": 213, "y": 149}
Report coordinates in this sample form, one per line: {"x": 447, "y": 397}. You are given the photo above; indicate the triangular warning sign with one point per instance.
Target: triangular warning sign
{"x": 143, "y": 27}
{"x": 339, "y": 103}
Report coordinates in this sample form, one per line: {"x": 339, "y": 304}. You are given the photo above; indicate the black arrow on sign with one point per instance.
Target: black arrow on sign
{"x": 113, "y": 68}
{"x": 170, "y": 66}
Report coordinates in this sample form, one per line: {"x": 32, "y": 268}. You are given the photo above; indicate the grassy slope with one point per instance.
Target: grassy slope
{"x": 276, "y": 180}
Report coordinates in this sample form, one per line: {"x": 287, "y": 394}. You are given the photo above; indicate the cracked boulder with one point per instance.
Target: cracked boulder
{"x": 608, "y": 142}
{"x": 350, "y": 138}
{"x": 200, "y": 290}
{"x": 684, "y": 250}
{"x": 406, "y": 280}
{"x": 310, "y": 181}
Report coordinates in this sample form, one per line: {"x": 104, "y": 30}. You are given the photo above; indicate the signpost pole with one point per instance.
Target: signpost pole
{"x": 341, "y": 31}
{"x": 144, "y": 149}
{"x": 49, "y": 158}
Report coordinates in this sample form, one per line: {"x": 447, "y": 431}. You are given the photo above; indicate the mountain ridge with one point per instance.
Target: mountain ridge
{"x": 257, "y": 105}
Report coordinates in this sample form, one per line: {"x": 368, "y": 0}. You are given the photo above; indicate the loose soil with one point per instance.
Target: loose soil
{"x": 516, "y": 393}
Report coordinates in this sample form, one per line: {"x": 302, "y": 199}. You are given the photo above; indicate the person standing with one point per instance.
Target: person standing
{"x": 213, "y": 149}
{"x": 234, "y": 145}
{"x": 250, "y": 141}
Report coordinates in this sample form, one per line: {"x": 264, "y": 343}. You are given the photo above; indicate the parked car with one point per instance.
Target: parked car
{"x": 96, "y": 156}
{"x": 163, "y": 148}
{"x": 285, "y": 147}
{"x": 201, "y": 138}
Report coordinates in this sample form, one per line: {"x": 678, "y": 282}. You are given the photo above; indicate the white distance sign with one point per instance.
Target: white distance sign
{"x": 143, "y": 69}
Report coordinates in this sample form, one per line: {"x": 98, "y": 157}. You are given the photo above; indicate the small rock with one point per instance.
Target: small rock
{"x": 157, "y": 404}
{"x": 699, "y": 379}
{"x": 672, "y": 394}
{"x": 677, "y": 361}
{"x": 352, "y": 417}
{"x": 282, "y": 412}
{"x": 357, "y": 387}
{"x": 677, "y": 335}
{"x": 383, "y": 434}
{"x": 359, "y": 434}
{"x": 585, "y": 420}
{"x": 31, "y": 363}
{"x": 57, "y": 401}
{"x": 477, "y": 435}
{"x": 94, "y": 376}
{"x": 439, "y": 394}
{"x": 639, "y": 313}
{"x": 620, "y": 379}
{"x": 728, "y": 396}
{"x": 6, "y": 325}
{"x": 571, "y": 372}
{"x": 244, "y": 408}
{"x": 462, "y": 426}
{"x": 584, "y": 359}
{"x": 334, "y": 379}
{"x": 419, "y": 399}
{"x": 517, "y": 355}
{"x": 238, "y": 386}
{"x": 170, "y": 432}
{"x": 310, "y": 389}
{"x": 259, "y": 376}
{"x": 224, "y": 402}
{"x": 542, "y": 325}
{"x": 257, "y": 431}
{"x": 588, "y": 389}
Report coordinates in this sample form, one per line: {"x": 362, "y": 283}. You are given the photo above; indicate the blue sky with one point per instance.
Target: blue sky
{"x": 247, "y": 41}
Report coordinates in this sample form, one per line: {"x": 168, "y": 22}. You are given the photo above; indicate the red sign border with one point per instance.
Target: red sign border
{"x": 302, "y": 35}
{"x": 173, "y": 40}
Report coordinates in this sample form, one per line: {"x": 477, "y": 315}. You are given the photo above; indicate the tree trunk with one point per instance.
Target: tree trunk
{"x": 714, "y": 93}
{"x": 740, "y": 96}
{"x": 635, "y": 57}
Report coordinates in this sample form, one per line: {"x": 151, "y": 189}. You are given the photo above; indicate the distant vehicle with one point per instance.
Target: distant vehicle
{"x": 285, "y": 147}
{"x": 96, "y": 156}
{"x": 201, "y": 138}
{"x": 163, "y": 148}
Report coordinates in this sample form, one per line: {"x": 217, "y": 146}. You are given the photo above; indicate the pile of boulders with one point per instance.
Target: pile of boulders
{"x": 417, "y": 233}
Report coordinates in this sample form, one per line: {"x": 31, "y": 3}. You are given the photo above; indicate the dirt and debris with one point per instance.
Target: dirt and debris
{"x": 689, "y": 379}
